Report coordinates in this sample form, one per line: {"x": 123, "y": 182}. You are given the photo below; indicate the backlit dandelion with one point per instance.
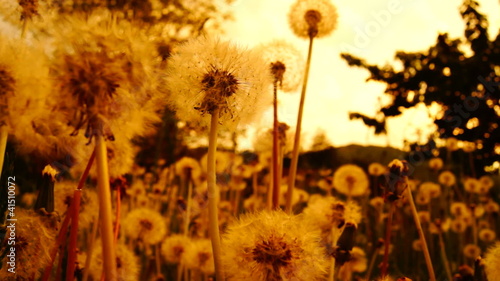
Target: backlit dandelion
{"x": 273, "y": 246}
{"x": 447, "y": 178}
{"x": 146, "y": 225}
{"x": 199, "y": 255}
{"x": 316, "y": 18}
{"x": 127, "y": 264}
{"x": 209, "y": 74}
{"x": 491, "y": 262}
{"x": 376, "y": 169}
{"x": 350, "y": 180}
{"x": 174, "y": 247}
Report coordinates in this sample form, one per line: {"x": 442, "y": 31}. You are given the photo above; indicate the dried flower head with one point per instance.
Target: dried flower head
{"x": 208, "y": 74}
{"x": 350, "y": 180}
{"x": 272, "y": 245}
{"x": 173, "y": 247}
{"x": 286, "y": 63}
{"x": 32, "y": 248}
{"x": 312, "y": 18}
{"x": 127, "y": 263}
{"x": 146, "y": 225}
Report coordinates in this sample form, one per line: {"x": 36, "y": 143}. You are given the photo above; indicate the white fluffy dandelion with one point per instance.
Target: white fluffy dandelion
{"x": 272, "y": 245}
{"x": 313, "y": 17}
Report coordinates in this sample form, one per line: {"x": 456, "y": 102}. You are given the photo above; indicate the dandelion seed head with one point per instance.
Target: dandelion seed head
{"x": 275, "y": 246}
{"x": 286, "y": 63}
{"x": 146, "y": 225}
{"x": 32, "y": 247}
{"x": 316, "y": 18}
{"x": 208, "y": 74}
{"x": 127, "y": 263}
{"x": 471, "y": 251}
{"x": 487, "y": 235}
{"x": 491, "y": 262}
{"x": 199, "y": 256}
{"x": 350, "y": 180}
{"x": 471, "y": 185}
{"x": 89, "y": 209}
{"x": 436, "y": 164}
{"x": 447, "y": 178}
{"x": 376, "y": 169}
{"x": 174, "y": 246}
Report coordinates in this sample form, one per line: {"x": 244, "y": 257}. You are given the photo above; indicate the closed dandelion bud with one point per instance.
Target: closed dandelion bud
{"x": 45, "y": 198}
{"x": 491, "y": 261}
{"x": 34, "y": 238}
{"x": 312, "y": 18}
{"x": 209, "y": 74}
{"x": 174, "y": 247}
{"x": 127, "y": 264}
{"x": 351, "y": 180}
{"x": 396, "y": 179}
{"x": 272, "y": 246}
{"x": 145, "y": 225}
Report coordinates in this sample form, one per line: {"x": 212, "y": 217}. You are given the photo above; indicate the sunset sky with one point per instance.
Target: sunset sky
{"x": 373, "y": 30}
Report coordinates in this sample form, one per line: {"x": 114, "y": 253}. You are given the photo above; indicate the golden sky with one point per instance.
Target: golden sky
{"x": 373, "y": 30}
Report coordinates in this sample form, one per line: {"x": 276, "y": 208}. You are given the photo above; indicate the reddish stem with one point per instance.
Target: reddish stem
{"x": 118, "y": 211}
{"x": 62, "y": 234}
{"x": 73, "y": 235}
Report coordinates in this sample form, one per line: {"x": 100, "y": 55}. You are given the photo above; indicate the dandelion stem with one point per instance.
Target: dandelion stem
{"x": 296, "y": 143}
{"x": 4, "y": 134}
{"x": 387, "y": 241}
{"x": 427, "y": 256}
{"x": 118, "y": 214}
{"x": 188, "y": 207}
{"x": 103, "y": 189}
{"x": 276, "y": 174}
{"x": 212, "y": 196}
{"x": 62, "y": 234}
{"x": 73, "y": 235}
{"x": 90, "y": 244}
{"x": 446, "y": 263}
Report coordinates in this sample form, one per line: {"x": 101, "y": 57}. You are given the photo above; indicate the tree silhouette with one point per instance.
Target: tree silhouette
{"x": 465, "y": 83}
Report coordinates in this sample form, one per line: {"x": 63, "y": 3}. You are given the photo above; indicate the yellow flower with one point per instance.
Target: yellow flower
{"x": 272, "y": 245}
{"x": 208, "y": 74}
{"x": 350, "y": 180}
{"x": 316, "y": 18}
{"x": 145, "y": 225}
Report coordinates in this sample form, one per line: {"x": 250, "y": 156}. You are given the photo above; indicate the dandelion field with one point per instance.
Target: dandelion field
{"x": 119, "y": 152}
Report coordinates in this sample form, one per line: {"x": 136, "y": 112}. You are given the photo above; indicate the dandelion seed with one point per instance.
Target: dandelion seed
{"x": 316, "y": 18}
{"x": 272, "y": 245}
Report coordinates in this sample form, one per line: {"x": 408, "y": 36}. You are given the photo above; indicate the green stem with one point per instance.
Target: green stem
{"x": 296, "y": 144}
{"x": 103, "y": 189}
{"x": 212, "y": 196}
